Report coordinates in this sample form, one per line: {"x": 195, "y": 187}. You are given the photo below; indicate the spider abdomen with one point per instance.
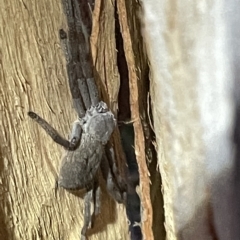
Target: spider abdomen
{"x": 79, "y": 167}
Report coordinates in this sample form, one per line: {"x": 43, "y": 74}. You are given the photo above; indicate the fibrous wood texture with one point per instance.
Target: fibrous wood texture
{"x": 33, "y": 77}
{"x": 193, "y": 50}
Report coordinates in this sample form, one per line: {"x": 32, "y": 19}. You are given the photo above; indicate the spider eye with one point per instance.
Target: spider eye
{"x": 102, "y": 107}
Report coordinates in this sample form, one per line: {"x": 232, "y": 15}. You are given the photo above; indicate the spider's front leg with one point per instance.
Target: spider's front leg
{"x": 52, "y": 132}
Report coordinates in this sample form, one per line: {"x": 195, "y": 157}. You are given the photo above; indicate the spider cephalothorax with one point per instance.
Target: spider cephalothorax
{"x": 99, "y": 122}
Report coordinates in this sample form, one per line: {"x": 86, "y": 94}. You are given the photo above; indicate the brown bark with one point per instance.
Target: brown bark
{"x": 33, "y": 76}
{"x": 138, "y": 78}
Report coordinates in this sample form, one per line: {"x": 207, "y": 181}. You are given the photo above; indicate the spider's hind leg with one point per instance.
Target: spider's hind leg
{"x": 96, "y": 202}
{"x": 115, "y": 184}
{"x": 92, "y": 195}
{"x": 87, "y": 213}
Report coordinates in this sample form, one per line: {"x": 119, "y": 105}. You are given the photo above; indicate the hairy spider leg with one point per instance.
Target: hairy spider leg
{"x": 70, "y": 46}
{"x": 78, "y": 54}
{"x": 93, "y": 194}
{"x": 114, "y": 182}
{"x": 83, "y": 35}
{"x": 68, "y": 10}
{"x": 87, "y": 84}
{"x": 70, "y": 145}
{"x": 73, "y": 68}
{"x": 83, "y": 15}
{"x": 83, "y": 24}
{"x": 82, "y": 85}
{"x": 96, "y": 201}
{"x": 87, "y": 213}
{"x": 118, "y": 177}
{"x": 93, "y": 91}
{"x": 76, "y": 133}
{"x": 49, "y": 130}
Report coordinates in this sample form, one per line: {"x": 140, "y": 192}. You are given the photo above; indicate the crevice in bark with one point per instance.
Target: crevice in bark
{"x": 146, "y": 116}
{"x": 124, "y": 112}
{"x": 127, "y": 138}
{"x": 151, "y": 158}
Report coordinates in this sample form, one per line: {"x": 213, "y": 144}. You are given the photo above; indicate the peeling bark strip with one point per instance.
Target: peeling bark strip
{"x": 135, "y": 115}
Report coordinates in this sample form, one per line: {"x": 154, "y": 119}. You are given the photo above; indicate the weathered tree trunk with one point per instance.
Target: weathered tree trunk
{"x": 33, "y": 77}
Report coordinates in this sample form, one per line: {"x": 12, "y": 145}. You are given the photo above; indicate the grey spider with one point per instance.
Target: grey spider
{"x": 84, "y": 154}
{"x": 87, "y": 150}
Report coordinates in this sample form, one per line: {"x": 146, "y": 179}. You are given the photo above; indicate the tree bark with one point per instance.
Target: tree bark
{"x": 33, "y": 77}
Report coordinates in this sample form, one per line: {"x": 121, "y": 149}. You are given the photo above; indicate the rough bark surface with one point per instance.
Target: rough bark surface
{"x": 135, "y": 65}
{"x": 33, "y": 77}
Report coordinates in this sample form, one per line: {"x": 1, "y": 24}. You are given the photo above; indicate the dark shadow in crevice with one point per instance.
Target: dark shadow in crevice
{"x": 124, "y": 113}
{"x": 127, "y": 138}
{"x": 127, "y": 131}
